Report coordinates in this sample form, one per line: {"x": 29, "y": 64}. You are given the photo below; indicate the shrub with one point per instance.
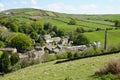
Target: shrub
{"x": 36, "y": 61}
{"x": 98, "y": 29}
{"x": 117, "y": 23}
{"x": 76, "y": 55}
{"x": 88, "y": 52}
{"x": 24, "y": 63}
{"x": 17, "y": 66}
{"x": 80, "y": 30}
{"x": 61, "y": 56}
{"x": 72, "y": 22}
{"x": 34, "y": 35}
{"x": 69, "y": 55}
{"x": 81, "y": 40}
{"x": 112, "y": 67}
{"x": 48, "y": 26}
{"x": 47, "y": 57}
{"x": 112, "y": 48}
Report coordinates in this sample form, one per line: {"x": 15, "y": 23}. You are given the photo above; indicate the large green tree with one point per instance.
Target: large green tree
{"x": 81, "y": 40}
{"x": 21, "y": 42}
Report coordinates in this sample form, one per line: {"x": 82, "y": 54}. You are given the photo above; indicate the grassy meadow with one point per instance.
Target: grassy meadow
{"x": 113, "y": 36}
{"x": 77, "y": 70}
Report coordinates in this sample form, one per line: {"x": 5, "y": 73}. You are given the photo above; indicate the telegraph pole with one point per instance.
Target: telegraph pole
{"x": 106, "y": 37}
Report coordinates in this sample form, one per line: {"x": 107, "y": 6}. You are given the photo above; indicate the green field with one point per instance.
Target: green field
{"x": 113, "y": 36}
{"x": 78, "y": 70}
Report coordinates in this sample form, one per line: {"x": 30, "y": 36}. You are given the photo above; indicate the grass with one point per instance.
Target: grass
{"x": 113, "y": 36}
{"x": 77, "y": 70}
{"x": 61, "y": 25}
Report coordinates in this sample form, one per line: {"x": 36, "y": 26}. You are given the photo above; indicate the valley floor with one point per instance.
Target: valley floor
{"x": 77, "y": 70}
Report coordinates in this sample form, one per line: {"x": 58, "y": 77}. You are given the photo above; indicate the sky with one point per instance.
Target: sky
{"x": 66, "y": 6}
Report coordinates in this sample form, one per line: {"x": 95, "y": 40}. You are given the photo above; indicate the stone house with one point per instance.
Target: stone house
{"x": 48, "y": 39}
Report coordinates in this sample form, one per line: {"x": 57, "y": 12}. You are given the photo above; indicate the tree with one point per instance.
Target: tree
{"x": 60, "y": 33}
{"x": 72, "y": 22}
{"x": 5, "y": 62}
{"x": 34, "y": 35}
{"x": 47, "y": 26}
{"x": 55, "y": 29}
{"x": 117, "y": 23}
{"x": 37, "y": 27}
{"x": 81, "y": 40}
{"x": 41, "y": 41}
{"x": 14, "y": 59}
{"x": 21, "y": 42}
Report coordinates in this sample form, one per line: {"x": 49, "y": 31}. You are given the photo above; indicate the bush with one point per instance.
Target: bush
{"x": 34, "y": 36}
{"x": 88, "y": 52}
{"x": 98, "y": 29}
{"x": 21, "y": 42}
{"x": 112, "y": 67}
{"x": 81, "y": 40}
{"x": 61, "y": 56}
{"x": 80, "y": 30}
{"x": 17, "y": 66}
{"x": 48, "y": 26}
{"x": 24, "y": 63}
{"x": 76, "y": 55}
{"x": 72, "y": 22}
{"x": 36, "y": 61}
{"x": 117, "y": 23}
{"x": 69, "y": 55}
{"x": 112, "y": 48}
{"x": 47, "y": 57}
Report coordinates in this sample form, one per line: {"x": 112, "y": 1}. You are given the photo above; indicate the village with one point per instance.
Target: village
{"x": 54, "y": 45}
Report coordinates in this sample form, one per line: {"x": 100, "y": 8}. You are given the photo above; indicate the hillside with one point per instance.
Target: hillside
{"x": 78, "y": 70}
{"x": 61, "y": 21}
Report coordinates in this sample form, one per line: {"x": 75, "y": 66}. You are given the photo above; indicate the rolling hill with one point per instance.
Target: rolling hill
{"x": 61, "y": 20}
{"x": 85, "y": 21}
